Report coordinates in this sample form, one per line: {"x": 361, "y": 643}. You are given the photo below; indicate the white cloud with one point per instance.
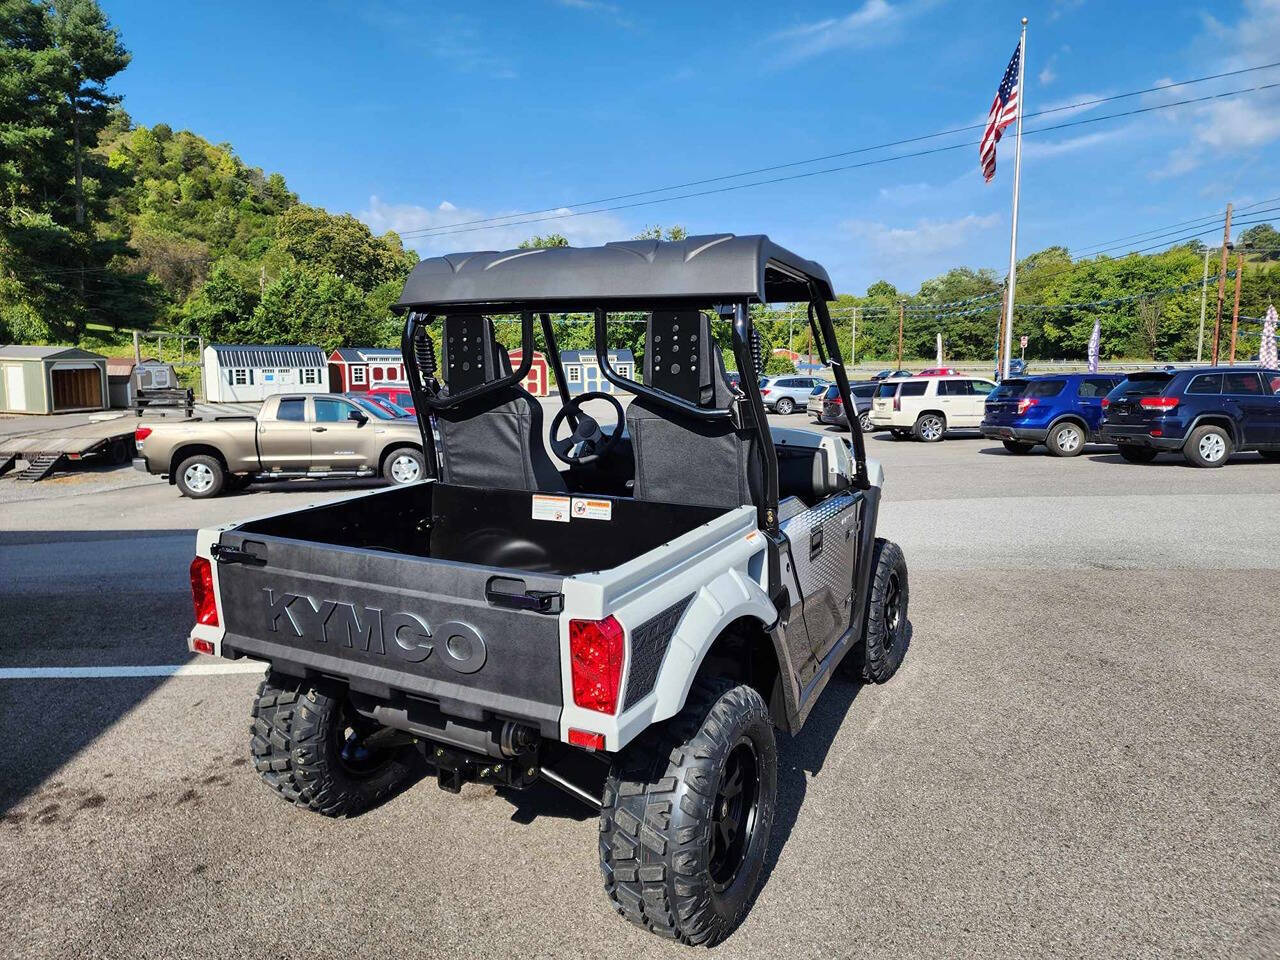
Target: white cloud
{"x": 872, "y": 24}
{"x": 1047, "y": 76}
{"x": 1035, "y": 149}
{"x": 584, "y": 230}
{"x": 928, "y": 238}
{"x": 601, "y": 7}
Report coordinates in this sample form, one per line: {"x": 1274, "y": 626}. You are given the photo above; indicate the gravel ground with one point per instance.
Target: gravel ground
{"x": 1078, "y": 758}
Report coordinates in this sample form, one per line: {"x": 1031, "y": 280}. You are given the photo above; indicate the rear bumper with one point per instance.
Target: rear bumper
{"x": 1025, "y": 434}
{"x": 140, "y": 463}
{"x": 1138, "y": 436}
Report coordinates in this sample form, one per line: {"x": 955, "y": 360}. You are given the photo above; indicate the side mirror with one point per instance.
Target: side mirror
{"x": 358, "y": 417}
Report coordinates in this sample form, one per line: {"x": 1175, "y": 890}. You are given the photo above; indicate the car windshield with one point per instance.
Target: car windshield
{"x": 818, "y": 389}
{"x": 1009, "y": 390}
{"x": 832, "y": 392}
{"x": 886, "y": 390}
{"x": 395, "y": 408}
{"x": 371, "y": 408}
{"x": 1044, "y": 388}
{"x": 1141, "y": 385}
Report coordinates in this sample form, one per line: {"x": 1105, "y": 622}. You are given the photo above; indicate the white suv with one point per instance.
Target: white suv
{"x": 927, "y": 407}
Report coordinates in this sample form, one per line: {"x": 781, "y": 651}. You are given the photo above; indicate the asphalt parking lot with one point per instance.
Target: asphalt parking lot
{"x": 1079, "y": 757}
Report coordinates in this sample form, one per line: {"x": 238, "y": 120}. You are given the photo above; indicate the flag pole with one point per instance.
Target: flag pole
{"x": 1017, "y": 182}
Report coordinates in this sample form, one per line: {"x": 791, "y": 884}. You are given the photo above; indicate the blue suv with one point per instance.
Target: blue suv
{"x": 1061, "y": 410}
{"x": 1206, "y": 414}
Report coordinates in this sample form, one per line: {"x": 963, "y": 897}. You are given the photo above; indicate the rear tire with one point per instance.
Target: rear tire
{"x": 688, "y": 809}
{"x": 785, "y": 406}
{"x": 1208, "y": 446}
{"x": 404, "y": 465}
{"x": 306, "y": 745}
{"x": 1017, "y": 446}
{"x": 1136, "y": 454}
{"x": 1066, "y": 439}
{"x": 930, "y": 427}
{"x": 884, "y": 631}
{"x": 865, "y": 424}
{"x": 200, "y": 477}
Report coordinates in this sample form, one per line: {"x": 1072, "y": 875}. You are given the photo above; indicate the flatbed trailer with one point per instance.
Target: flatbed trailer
{"x": 45, "y": 450}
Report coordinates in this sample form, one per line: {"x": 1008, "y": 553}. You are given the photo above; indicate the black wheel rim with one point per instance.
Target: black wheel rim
{"x": 893, "y": 604}
{"x": 355, "y": 754}
{"x": 733, "y": 818}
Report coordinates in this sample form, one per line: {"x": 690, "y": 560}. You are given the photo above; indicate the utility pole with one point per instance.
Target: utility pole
{"x": 853, "y": 339}
{"x": 901, "y": 312}
{"x": 1204, "y": 299}
{"x": 137, "y": 348}
{"x": 1235, "y": 311}
{"x": 1222, "y": 282}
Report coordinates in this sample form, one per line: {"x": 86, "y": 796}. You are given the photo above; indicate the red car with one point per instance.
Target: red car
{"x": 400, "y": 396}
{"x": 939, "y": 372}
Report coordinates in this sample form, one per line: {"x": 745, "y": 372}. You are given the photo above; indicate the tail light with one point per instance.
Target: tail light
{"x": 838, "y": 399}
{"x": 595, "y": 657}
{"x": 202, "y": 592}
{"x": 141, "y": 434}
{"x": 764, "y": 392}
{"x": 1025, "y": 404}
{"x": 897, "y": 403}
{"x": 1106, "y": 402}
{"x": 1158, "y": 403}
{"x": 586, "y": 739}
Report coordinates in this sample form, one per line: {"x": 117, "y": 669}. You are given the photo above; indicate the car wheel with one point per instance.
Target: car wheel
{"x": 1066, "y": 440}
{"x": 885, "y": 630}
{"x": 200, "y": 477}
{"x": 1017, "y": 446}
{"x": 404, "y": 465}
{"x": 1208, "y": 447}
{"x": 785, "y": 406}
{"x": 865, "y": 424}
{"x": 930, "y": 427}
{"x": 1136, "y": 454}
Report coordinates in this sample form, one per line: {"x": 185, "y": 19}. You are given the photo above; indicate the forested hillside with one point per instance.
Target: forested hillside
{"x": 109, "y": 224}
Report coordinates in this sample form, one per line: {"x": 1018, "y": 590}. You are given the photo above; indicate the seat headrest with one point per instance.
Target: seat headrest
{"x": 471, "y": 354}
{"x": 682, "y": 358}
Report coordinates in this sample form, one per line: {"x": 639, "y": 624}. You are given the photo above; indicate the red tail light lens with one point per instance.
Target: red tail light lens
{"x": 838, "y": 399}
{"x": 764, "y": 392}
{"x": 1106, "y": 402}
{"x": 202, "y": 592}
{"x": 595, "y": 657}
{"x": 141, "y": 434}
{"x": 1025, "y": 404}
{"x": 587, "y": 739}
{"x": 897, "y": 403}
{"x": 1159, "y": 403}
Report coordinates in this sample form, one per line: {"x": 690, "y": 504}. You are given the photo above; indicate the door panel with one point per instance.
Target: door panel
{"x": 823, "y": 547}
{"x": 1244, "y": 392}
{"x": 336, "y": 442}
{"x": 285, "y": 442}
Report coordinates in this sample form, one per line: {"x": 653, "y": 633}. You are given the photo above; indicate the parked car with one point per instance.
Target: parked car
{"x": 320, "y": 435}
{"x": 892, "y": 374}
{"x": 379, "y": 403}
{"x": 784, "y": 394}
{"x": 828, "y": 406}
{"x": 400, "y": 396}
{"x": 927, "y": 407}
{"x": 939, "y": 372}
{"x": 1207, "y": 414}
{"x": 1062, "y": 411}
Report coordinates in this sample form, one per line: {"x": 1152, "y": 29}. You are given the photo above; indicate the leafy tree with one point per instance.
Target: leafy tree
{"x": 656, "y": 232}
{"x": 343, "y": 246}
{"x": 223, "y": 309}
{"x": 550, "y": 240}
{"x": 304, "y": 305}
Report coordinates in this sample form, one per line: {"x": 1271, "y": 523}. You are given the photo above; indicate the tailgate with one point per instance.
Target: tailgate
{"x": 385, "y": 621}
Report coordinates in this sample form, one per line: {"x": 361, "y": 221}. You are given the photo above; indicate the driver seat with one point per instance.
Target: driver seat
{"x": 494, "y": 440}
{"x": 680, "y": 458}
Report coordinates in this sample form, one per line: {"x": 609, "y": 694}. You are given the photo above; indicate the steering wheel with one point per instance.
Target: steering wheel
{"x": 595, "y": 443}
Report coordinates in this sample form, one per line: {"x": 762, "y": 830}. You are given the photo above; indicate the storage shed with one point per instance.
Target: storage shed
{"x": 240, "y": 373}
{"x": 356, "y": 369}
{"x": 52, "y": 380}
{"x": 536, "y": 380}
{"x": 125, "y": 377}
{"x": 582, "y": 372}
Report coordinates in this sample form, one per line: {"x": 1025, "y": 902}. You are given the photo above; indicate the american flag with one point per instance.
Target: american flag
{"x": 1267, "y": 353}
{"x": 1004, "y": 110}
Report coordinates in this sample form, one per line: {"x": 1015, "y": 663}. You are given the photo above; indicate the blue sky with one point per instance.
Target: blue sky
{"x": 414, "y": 115}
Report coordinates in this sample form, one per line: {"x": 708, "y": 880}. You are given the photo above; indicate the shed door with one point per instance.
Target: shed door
{"x": 76, "y": 386}
{"x": 15, "y": 387}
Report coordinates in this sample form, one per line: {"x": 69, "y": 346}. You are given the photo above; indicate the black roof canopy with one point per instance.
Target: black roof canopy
{"x": 716, "y": 268}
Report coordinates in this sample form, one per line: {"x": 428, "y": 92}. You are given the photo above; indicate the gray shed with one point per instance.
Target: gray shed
{"x": 52, "y": 380}
{"x": 126, "y": 377}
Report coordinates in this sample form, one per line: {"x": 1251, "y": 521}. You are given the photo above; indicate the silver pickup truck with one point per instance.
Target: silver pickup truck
{"x": 317, "y": 435}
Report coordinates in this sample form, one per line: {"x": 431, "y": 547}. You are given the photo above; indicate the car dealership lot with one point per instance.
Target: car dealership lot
{"x": 1078, "y": 757}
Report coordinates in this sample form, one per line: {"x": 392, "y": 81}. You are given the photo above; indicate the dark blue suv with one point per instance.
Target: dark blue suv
{"x": 1060, "y": 410}
{"x": 1206, "y": 413}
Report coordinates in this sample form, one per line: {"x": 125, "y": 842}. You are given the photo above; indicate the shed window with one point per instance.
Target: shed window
{"x": 358, "y": 374}
{"x": 240, "y": 377}
{"x": 377, "y": 373}
{"x": 310, "y": 375}
{"x": 574, "y": 373}
{"x": 624, "y": 370}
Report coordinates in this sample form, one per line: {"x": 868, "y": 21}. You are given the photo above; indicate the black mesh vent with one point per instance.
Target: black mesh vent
{"x": 649, "y": 643}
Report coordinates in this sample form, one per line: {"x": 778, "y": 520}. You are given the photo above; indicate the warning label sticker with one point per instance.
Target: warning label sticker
{"x": 584, "y": 508}
{"x": 547, "y": 507}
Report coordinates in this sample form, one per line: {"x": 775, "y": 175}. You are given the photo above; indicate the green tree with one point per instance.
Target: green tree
{"x": 343, "y": 246}
{"x": 223, "y": 309}
{"x": 550, "y": 240}
{"x": 304, "y": 305}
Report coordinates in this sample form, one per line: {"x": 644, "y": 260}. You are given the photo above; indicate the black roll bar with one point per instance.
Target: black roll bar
{"x": 419, "y": 392}
{"x": 819, "y": 305}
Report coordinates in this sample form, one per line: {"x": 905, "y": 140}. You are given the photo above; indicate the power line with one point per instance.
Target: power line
{"x": 517, "y": 218}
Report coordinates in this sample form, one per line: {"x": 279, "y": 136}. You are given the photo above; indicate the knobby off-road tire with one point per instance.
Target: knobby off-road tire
{"x": 884, "y": 635}
{"x": 1136, "y": 454}
{"x": 1017, "y": 446}
{"x": 300, "y": 747}
{"x": 672, "y": 858}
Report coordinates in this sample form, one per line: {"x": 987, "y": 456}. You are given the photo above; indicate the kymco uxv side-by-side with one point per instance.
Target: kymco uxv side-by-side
{"x": 630, "y": 626}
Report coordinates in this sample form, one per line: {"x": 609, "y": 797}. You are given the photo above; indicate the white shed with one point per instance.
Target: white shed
{"x": 239, "y": 373}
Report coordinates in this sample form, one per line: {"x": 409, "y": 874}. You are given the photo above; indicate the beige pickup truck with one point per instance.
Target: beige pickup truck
{"x": 319, "y": 435}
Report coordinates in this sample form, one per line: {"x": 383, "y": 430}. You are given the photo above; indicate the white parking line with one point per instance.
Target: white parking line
{"x": 149, "y": 670}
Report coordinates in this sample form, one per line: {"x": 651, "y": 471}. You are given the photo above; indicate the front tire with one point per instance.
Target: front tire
{"x": 688, "y": 809}
{"x": 309, "y": 746}
{"x": 404, "y": 465}
{"x": 200, "y": 477}
{"x": 865, "y": 424}
{"x": 1017, "y": 447}
{"x": 884, "y": 632}
{"x": 1066, "y": 440}
{"x": 1136, "y": 454}
{"x": 785, "y": 406}
{"x": 930, "y": 427}
{"x": 1208, "y": 446}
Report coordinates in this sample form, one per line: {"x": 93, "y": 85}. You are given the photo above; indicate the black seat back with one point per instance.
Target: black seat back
{"x": 681, "y": 458}
{"x": 494, "y": 440}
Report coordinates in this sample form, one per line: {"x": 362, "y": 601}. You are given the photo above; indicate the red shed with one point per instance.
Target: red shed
{"x": 356, "y": 369}
{"x": 537, "y": 381}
